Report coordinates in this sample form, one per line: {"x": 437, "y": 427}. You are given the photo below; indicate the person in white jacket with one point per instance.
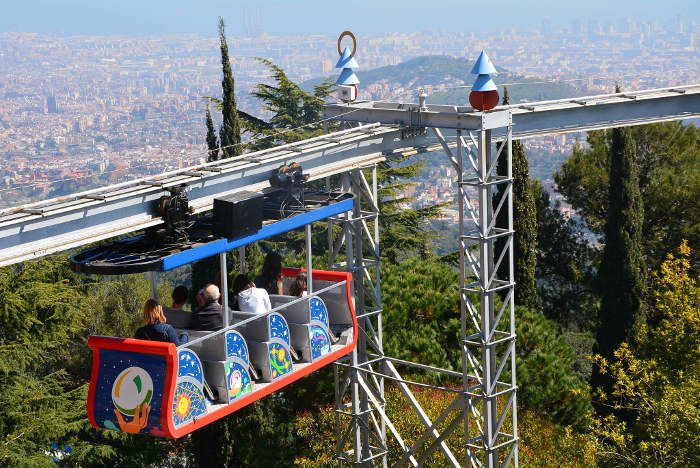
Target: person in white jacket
{"x": 249, "y": 297}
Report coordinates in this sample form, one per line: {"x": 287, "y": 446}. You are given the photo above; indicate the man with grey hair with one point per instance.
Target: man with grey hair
{"x": 208, "y": 316}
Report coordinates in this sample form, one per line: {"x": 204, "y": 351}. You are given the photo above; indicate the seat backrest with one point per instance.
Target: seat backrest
{"x": 178, "y": 318}
{"x": 297, "y": 313}
{"x": 279, "y": 299}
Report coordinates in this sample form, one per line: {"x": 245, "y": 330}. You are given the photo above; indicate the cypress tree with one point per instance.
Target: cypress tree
{"x": 212, "y": 142}
{"x": 621, "y": 274}
{"x": 230, "y": 133}
{"x": 524, "y": 224}
{"x": 212, "y": 445}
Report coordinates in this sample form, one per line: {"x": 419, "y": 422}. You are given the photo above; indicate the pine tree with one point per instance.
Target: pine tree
{"x": 621, "y": 275}
{"x": 230, "y": 133}
{"x": 212, "y": 142}
{"x": 524, "y": 224}
{"x": 295, "y": 113}
{"x": 404, "y": 232}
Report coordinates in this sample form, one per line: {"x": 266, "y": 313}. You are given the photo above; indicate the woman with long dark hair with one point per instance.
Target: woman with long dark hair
{"x": 271, "y": 277}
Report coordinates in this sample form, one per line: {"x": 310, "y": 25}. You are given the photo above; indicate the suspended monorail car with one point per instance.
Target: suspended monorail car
{"x": 165, "y": 390}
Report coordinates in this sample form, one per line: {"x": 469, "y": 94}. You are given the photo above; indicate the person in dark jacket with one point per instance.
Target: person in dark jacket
{"x": 208, "y": 316}
{"x": 155, "y": 328}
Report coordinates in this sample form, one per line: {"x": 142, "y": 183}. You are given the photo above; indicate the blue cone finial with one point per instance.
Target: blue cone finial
{"x": 346, "y": 60}
{"x": 484, "y": 83}
{"x": 483, "y": 65}
{"x": 347, "y": 77}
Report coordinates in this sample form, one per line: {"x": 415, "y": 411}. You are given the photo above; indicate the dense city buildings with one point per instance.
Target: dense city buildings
{"x": 77, "y": 111}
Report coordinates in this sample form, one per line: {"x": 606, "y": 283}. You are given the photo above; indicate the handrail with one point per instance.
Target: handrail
{"x": 259, "y": 316}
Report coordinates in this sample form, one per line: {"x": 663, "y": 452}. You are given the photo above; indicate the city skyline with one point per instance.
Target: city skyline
{"x": 81, "y": 110}
{"x": 248, "y": 17}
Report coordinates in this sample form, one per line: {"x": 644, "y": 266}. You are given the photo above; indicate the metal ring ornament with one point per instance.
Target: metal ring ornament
{"x": 354, "y": 42}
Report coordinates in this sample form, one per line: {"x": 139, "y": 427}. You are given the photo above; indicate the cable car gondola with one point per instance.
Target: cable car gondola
{"x": 158, "y": 388}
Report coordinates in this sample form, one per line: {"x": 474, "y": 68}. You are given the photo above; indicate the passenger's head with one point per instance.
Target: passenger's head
{"x": 153, "y": 312}
{"x": 299, "y": 285}
{"x": 179, "y": 295}
{"x": 241, "y": 283}
{"x": 210, "y": 293}
{"x": 272, "y": 267}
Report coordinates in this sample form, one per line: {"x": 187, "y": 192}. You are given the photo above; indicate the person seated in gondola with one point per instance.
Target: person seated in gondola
{"x": 299, "y": 286}
{"x": 155, "y": 328}
{"x": 179, "y": 297}
{"x": 208, "y": 316}
{"x": 271, "y": 277}
{"x": 250, "y": 298}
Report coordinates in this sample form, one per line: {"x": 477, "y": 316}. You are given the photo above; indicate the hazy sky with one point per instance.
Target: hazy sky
{"x": 139, "y": 17}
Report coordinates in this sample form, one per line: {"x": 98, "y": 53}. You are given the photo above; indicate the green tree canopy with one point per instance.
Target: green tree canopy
{"x": 421, "y": 319}
{"x": 295, "y": 113}
{"x": 621, "y": 275}
{"x": 565, "y": 270}
{"x": 668, "y": 157}
{"x": 656, "y": 380}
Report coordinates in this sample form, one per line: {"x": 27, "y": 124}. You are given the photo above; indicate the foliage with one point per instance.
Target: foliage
{"x": 421, "y": 312}
{"x": 565, "y": 270}
{"x": 404, "y": 231}
{"x": 212, "y": 142}
{"x": 621, "y": 274}
{"x": 230, "y": 132}
{"x": 421, "y": 318}
{"x": 542, "y": 443}
{"x": 39, "y": 319}
{"x": 545, "y": 380}
{"x": 46, "y": 314}
{"x": 295, "y": 116}
{"x": 295, "y": 112}
{"x": 657, "y": 378}
{"x": 668, "y": 157}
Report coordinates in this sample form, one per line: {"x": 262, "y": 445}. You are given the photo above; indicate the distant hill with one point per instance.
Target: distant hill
{"x": 446, "y": 79}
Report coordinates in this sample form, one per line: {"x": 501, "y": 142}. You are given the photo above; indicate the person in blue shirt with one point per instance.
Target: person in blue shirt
{"x": 155, "y": 328}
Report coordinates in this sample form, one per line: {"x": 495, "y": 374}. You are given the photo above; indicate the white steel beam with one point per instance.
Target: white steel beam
{"x": 536, "y": 118}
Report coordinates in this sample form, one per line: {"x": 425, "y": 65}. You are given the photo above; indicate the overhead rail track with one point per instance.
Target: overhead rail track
{"x": 45, "y": 227}
{"x": 50, "y": 226}
{"x": 535, "y": 119}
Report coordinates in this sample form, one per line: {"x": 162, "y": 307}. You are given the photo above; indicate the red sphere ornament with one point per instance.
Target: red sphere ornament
{"x": 483, "y": 100}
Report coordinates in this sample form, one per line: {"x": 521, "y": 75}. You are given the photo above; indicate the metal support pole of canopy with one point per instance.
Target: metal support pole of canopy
{"x": 224, "y": 287}
{"x": 153, "y": 281}
{"x": 309, "y": 261}
{"x": 241, "y": 260}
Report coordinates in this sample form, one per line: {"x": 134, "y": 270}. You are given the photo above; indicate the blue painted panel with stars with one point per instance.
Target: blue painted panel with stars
{"x": 129, "y": 391}
{"x": 320, "y": 341}
{"x": 189, "y": 366}
{"x": 278, "y": 327}
{"x": 188, "y": 401}
{"x": 318, "y": 310}
{"x": 236, "y": 346}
